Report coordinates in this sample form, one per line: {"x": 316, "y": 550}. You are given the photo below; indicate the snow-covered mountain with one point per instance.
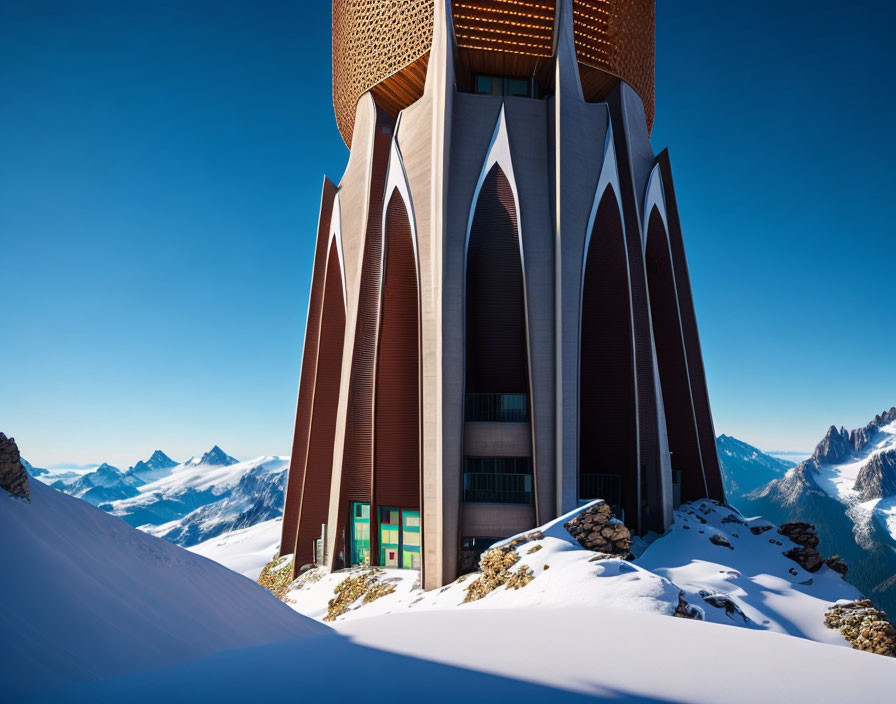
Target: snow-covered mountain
{"x": 848, "y": 490}
{"x": 184, "y": 503}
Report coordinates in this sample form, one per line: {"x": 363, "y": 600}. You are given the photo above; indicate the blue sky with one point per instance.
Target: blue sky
{"x": 160, "y": 170}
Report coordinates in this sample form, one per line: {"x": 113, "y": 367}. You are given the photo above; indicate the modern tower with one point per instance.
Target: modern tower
{"x": 500, "y": 323}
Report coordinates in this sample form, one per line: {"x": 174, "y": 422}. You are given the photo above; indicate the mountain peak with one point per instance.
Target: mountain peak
{"x": 159, "y": 460}
{"x": 216, "y": 456}
{"x": 107, "y": 468}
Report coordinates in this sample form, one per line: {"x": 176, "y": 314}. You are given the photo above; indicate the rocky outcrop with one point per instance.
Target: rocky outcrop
{"x": 685, "y": 610}
{"x": 877, "y": 479}
{"x": 837, "y": 564}
{"x": 838, "y": 445}
{"x": 276, "y": 575}
{"x": 807, "y": 558}
{"x": 496, "y": 567}
{"x": 367, "y": 586}
{"x": 13, "y": 476}
{"x": 800, "y": 533}
{"x": 863, "y": 626}
{"x": 596, "y": 529}
{"x": 721, "y": 541}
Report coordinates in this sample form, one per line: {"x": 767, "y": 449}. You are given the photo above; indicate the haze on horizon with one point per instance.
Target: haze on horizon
{"x": 160, "y": 182}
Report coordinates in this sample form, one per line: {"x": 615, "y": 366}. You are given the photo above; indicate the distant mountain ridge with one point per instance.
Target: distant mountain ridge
{"x": 185, "y": 503}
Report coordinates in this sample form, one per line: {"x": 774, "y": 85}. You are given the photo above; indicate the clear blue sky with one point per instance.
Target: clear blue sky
{"x": 160, "y": 171}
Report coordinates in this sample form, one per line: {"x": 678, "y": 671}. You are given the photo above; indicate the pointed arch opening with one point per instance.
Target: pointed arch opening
{"x": 397, "y": 464}
{"x": 496, "y": 347}
{"x": 608, "y": 427}
{"x": 687, "y": 463}
{"x": 319, "y": 462}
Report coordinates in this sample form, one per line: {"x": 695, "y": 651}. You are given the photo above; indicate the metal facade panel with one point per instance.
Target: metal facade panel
{"x": 397, "y": 443}
{"x": 670, "y": 354}
{"x": 699, "y": 390}
{"x": 306, "y": 381}
{"x": 316, "y": 485}
{"x": 608, "y": 419}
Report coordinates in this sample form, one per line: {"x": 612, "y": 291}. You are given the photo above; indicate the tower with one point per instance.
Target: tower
{"x": 500, "y": 323}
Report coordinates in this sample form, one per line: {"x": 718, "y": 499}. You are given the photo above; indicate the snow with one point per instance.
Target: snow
{"x": 247, "y": 550}
{"x": 217, "y": 479}
{"x": 527, "y": 655}
{"x": 86, "y": 596}
{"x": 771, "y": 592}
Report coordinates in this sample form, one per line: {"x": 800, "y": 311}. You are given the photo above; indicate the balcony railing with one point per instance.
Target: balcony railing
{"x": 601, "y": 486}
{"x": 500, "y": 480}
{"x": 497, "y": 408}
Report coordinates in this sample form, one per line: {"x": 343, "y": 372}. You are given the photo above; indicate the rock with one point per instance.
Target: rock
{"x": 366, "y": 586}
{"x": 807, "y": 558}
{"x": 720, "y": 540}
{"x": 13, "y": 476}
{"x": 722, "y": 601}
{"x": 276, "y": 575}
{"x": 685, "y": 610}
{"x": 598, "y": 530}
{"x": 800, "y": 533}
{"x": 837, "y": 564}
{"x": 863, "y": 626}
{"x": 759, "y": 530}
{"x": 877, "y": 478}
{"x": 731, "y": 518}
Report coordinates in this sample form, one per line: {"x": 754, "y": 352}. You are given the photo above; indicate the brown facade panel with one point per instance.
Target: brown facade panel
{"x": 607, "y": 415}
{"x": 496, "y": 349}
{"x": 357, "y": 460}
{"x": 315, "y": 495}
{"x": 306, "y": 381}
{"x": 397, "y": 454}
{"x": 691, "y": 341}
{"x": 667, "y": 336}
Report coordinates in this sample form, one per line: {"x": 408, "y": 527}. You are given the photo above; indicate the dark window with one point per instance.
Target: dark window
{"x": 500, "y": 480}
{"x": 498, "y": 85}
{"x": 497, "y": 408}
{"x": 471, "y": 550}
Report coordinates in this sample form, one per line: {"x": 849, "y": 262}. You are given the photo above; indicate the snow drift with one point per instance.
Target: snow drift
{"x": 85, "y": 596}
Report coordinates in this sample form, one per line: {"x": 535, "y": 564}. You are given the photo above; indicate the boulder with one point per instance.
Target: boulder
{"x": 13, "y": 476}
{"x": 721, "y": 541}
{"x": 863, "y": 626}
{"x": 598, "y": 530}
{"x": 807, "y": 558}
{"x": 836, "y": 563}
{"x": 800, "y": 533}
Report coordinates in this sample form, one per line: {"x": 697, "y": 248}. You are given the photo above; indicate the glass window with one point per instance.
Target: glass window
{"x": 484, "y": 84}
{"x": 360, "y": 531}
{"x": 518, "y": 87}
{"x": 498, "y": 480}
{"x": 410, "y": 540}
{"x": 389, "y": 536}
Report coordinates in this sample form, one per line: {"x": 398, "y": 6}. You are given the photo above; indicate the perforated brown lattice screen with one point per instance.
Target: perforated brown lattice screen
{"x": 373, "y": 40}
{"x": 383, "y": 46}
{"x": 617, "y": 37}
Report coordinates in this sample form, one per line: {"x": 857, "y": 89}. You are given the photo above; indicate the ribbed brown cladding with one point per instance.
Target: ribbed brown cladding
{"x": 397, "y": 467}
{"x": 357, "y": 462}
{"x": 607, "y": 419}
{"x": 680, "y": 425}
{"x": 375, "y": 40}
{"x": 616, "y": 38}
{"x": 699, "y": 390}
{"x": 650, "y": 516}
{"x": 306, "y": 381}
{"x": 496, "y": 354}
{"x": 315, "y": 497}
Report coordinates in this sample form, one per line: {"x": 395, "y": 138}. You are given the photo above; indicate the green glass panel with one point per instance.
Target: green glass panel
{"x": 410, "y": 540}
{"x": 360, "y": 534}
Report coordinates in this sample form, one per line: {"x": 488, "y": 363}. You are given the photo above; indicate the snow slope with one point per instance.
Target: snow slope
{"x": 572, "y": 654}
{"x": 768, "y": 591}
{"x": 247, "y": 550}
{"x": 85, "y": 596}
